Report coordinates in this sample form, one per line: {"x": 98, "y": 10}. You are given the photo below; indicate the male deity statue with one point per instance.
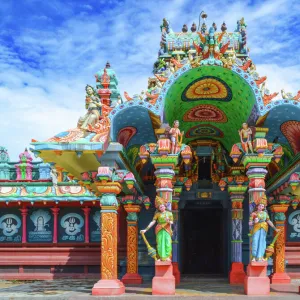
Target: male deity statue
{"x": 246, "y": 140}
{"x": 93, "y": 105}
{"x": 174, "y": 136}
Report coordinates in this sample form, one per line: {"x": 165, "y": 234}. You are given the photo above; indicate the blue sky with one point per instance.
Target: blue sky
{"x": 49, "y": 51}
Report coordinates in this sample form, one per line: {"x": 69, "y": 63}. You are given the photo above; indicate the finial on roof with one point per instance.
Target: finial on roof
{"x": 107, "y": 65}
{"x": 184, "y": 28}
{"x": 224, "y": 27}
{"x": 194, "y": 27}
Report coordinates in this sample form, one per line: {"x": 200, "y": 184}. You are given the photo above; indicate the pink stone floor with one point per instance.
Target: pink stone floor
{"x": 189, "y": 288}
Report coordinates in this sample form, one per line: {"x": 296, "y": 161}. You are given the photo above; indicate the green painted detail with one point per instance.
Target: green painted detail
{"x": 237, "y": 110}
{"x": 254, "y": 158}
{"x": 279, "y": 216}
{"x": 109, "y": 200}
{"x": 166, "y": 160}
{"x": 236, "y": 241}
{"x": 283, "y": 173}
{"x": 237, "y": 189}
{"x": 133, "y": 154}
{"x": 132, "y": 216}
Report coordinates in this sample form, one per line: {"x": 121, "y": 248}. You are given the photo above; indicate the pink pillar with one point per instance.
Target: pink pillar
{"x": 24, "y": 213}
{"x": 86, "y": 211}
{"x": 55, "y": 211}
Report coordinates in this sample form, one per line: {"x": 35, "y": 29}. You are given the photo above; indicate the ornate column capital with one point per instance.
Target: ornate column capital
{"x": 131, "y": 208}
{"x": 279, "y": 208}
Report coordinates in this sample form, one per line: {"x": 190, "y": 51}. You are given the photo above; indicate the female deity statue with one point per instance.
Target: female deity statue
{"x": 245, "y": 135}
{"x": 93, "y": 105}
{"x": 259, "y": 219}
{"x": 163, "y": 229}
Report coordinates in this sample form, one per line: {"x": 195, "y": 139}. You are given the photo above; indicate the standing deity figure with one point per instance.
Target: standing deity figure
{"x": 174, "y": 136}
{"x": 259, "y": 219}
{"x": 163, "y": 229}
{"x": 93, "y": 105}
{"x": 246, "y": 140}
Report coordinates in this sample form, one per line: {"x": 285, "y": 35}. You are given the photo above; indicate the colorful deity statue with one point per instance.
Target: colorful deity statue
{"x": 154, "y": 87}
{"x": 93, "y": 105}
{"x": 246, "y": 138}
{"x": 174, "y": 136}
{"x": 290, "y": 96}
{"x": 163, "y": 229}
{"x": 211, "y": 47}
{"x": 266, "y": 94}
{"x": 260, "y": 220}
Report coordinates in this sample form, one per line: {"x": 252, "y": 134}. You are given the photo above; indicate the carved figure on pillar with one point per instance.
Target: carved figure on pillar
{"x": 163, "y": 229}
{"x": 246, "y": 138}
{"x": 174, "y": 136}
{"x": 260, "y": 220}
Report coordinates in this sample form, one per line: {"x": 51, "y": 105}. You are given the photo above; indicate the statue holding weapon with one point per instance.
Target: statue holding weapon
{"x": 175, "y": 133}
{"x": 163, "y": 231}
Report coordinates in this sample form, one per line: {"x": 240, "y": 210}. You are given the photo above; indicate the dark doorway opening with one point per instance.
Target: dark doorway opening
{"x": 202, "y": 241}
{"x": 204, "y": 168}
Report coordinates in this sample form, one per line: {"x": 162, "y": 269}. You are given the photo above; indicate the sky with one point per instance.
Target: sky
{"x": 50, "y": 50}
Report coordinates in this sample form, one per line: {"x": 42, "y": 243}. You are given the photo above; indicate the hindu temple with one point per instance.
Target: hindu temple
{"x": 206, "y": 141}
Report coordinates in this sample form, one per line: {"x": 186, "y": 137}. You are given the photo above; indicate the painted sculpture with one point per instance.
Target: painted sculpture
{"x": 260, "y": 220}
{"x": 93, "y": 105}
{"x": 246, "y": 140}
{"x": 175, "y": 133}
{"x": 163, "y": 230}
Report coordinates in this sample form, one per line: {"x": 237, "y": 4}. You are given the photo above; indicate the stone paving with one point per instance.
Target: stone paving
{"x": 200, "y": 288}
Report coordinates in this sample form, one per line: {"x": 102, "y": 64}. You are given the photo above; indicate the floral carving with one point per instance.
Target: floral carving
{"x": 109, "y": 246}
{"x": 132, "y": 249}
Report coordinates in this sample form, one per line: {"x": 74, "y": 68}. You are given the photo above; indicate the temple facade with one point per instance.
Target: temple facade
{"x": 206, "y": 135}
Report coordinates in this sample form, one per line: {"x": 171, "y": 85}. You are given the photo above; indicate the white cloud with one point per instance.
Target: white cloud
{"x": 44, "y": 69}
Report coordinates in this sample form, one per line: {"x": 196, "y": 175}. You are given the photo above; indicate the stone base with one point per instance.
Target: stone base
{"x": 163, "y": 283}
{"x": 176, "y": 272}
{"x": 129, "y": 278}
{"x": 280, "y": 278}
{"x": 256, "y": 282}
{"x": 109, "y": 287}
{"x": 237, "y": 274}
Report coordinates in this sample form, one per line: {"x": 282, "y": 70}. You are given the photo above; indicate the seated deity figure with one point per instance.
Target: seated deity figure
{"x": 246, "y": 140}
{"x": 93, "y": 105}
{"x": 259, "y": 219}
{"x": 163, "y": 229}
{"x": 174, "y": 136}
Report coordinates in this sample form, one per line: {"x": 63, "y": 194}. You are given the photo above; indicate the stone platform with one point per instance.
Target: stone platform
{"x": 189, "y": 288}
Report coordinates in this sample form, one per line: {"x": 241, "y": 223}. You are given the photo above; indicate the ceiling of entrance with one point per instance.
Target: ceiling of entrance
{"x": 210, "y": 102}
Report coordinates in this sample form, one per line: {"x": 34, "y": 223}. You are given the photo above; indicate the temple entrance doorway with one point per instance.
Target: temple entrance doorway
{"x": 203, "y": 235}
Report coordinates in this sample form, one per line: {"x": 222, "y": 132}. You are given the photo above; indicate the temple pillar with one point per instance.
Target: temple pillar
{"x": 237, "y": 273}
{"x": 86, "y": 211}
{"x": 55, "y": 211}
{"x": 24, "y": 213}
{"x": 175, "y": 200}
{"x": 132, "y": 276}
{"x": 279, "y": 275}
{"x": 109, "y": 284}
{"x": 164, "y": 189}
{"x": 164, "y": 186}
{"x": 165, "y": 162}
{"x": 256, "y": 162}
